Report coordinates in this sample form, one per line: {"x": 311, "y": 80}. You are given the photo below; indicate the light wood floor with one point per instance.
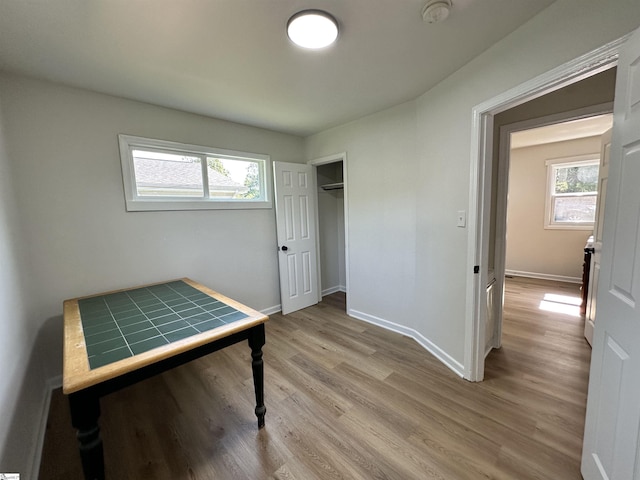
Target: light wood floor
{"x": 349, "y": 400}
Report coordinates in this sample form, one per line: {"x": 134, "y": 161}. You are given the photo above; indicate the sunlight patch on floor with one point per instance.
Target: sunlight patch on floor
{"x": 565, "y": 304}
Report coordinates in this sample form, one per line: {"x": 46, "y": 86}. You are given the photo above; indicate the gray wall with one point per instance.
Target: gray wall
{"x": 382, "y": 166}
{"x": 408, "y": 176}
{"x": 63, "y": 209}
{"x": 409, "y": 170}
{"x": 23, "y": 383}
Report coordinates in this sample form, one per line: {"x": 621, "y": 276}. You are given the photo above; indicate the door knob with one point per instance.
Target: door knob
{"x": 285, "y": 248}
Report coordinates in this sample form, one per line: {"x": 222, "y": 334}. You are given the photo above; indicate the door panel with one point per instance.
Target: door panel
{"x": 296, "y": 221}
{"x": 613, "y": 361}
{"x": 612, "y": 426}
{"x": 292, "y": 277}
{"x": 304, "y": 218}
{"x": 288, "y": 218}
{"x": 306, "y": 272}
{"x": 625, "y": 261}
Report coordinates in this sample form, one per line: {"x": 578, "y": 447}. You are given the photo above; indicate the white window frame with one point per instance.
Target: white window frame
{"x": 137, "y": 203}
{"x": 552, "y": 164}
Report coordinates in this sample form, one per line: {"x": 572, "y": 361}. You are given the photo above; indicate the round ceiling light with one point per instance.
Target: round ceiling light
{"x": 312, "y": 29}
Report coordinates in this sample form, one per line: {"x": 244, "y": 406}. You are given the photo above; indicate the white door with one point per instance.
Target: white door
{"x": 592, "y": 289}
{"x": 611, "y": 447}
{"x": 296, "y": 230}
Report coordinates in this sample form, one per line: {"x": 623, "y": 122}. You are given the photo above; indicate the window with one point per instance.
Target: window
{"x": 572, "y": 191}
{"x": 161, "y": 175}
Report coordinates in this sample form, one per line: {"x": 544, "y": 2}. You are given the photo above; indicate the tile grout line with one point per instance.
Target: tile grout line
{"x": 145, "y": 316}
{"x": 174, "y": 312}
{"x": 194, "y": 303}
{"x": 199, "y": 306}
{"x": 121, "y": 333}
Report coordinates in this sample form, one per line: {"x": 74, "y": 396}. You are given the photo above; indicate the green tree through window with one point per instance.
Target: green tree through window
{"x": 577, "y": 179}
{"x": 252, "y": 181}
{"x": 216, "y": 164}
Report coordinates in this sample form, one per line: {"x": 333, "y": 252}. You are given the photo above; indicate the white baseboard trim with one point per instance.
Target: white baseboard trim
{"x": 427, "y": 344}
{"x": 49, "y": 386}
{"x": 271, "y": 310}
{"x": 329, "y": 291}
{"x": 455, "y": 366}
{"x": 543, "y": 276}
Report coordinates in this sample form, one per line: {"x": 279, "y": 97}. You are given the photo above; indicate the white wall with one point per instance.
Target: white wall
{"x": 22, "y": 382}
{"x": 382, "y": 209}
{"x": 80, "y": 240}
{"x": 408, "y": 258}
{"x": 530, "y": 247}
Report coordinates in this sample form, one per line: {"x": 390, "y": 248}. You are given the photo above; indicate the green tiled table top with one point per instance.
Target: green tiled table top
{"x": 123, "y": 324}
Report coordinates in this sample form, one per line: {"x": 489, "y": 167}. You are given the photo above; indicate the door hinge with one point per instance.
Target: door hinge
{"x": 476, "y": 269}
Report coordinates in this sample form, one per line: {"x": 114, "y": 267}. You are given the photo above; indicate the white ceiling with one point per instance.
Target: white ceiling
{"x": 559, "y": 132}
{"x": 231, "y": 59}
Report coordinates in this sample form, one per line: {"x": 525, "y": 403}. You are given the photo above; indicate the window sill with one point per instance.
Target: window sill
{"x": 181, "y": 205}
{"x": 586, "y": 228}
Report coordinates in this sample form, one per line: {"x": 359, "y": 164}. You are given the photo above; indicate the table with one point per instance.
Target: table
{"x": 115, "y": 339}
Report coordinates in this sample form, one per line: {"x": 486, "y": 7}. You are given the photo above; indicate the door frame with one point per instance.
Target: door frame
{"x": 480, "y": 188}
{"x": 504, "y": 159}
{"x": 315, "y": 163}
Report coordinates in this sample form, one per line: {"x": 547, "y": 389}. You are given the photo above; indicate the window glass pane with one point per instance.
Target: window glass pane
{"x": 235, "y": 179}
{"x": 167, "y": 175}
{"x": 574, "y": 209}
{"x": 578, "y": 179}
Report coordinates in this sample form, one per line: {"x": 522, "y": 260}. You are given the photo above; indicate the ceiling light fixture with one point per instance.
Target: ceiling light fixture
{"x": 436, "y": 11}
{"x": 312, "y": 29}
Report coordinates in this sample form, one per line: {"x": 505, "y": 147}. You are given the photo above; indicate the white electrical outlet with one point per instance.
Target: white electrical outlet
{"x": 462, "y": 218}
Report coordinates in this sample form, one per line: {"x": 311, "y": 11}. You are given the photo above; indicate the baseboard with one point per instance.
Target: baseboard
{"x": 455, "y": 366}
{"x": 329, "y": 291}
{"x": 49, "y": 386}
{"x": 272, "y": 310}
{"x": 427, "y": 344}
{"x": 543, "y": 276}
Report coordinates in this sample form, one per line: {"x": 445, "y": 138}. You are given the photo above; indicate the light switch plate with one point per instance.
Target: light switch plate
{"x": 462, "y": 218}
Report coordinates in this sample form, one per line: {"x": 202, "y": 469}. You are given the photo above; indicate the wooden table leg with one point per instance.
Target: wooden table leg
{"x": 256, "y": 342}
{"x": 85, "y": 411}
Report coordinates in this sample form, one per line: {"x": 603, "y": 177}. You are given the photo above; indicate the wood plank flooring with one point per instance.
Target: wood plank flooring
{"x": 348, "y": 400}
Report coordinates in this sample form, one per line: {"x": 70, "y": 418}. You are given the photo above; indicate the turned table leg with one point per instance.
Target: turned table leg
{"x": 85, "y": 410}
{"x": 256, "y": 342}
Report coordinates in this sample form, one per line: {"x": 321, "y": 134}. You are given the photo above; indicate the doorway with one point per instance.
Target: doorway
{"x": 546, "y": 230}
{"x": 552, "y": 197}
{"x": 332, "y": 222}
{"x": 486, "y": 222}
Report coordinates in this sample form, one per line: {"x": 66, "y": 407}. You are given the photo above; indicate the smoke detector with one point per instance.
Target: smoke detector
{"x": 436, "y": 11}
